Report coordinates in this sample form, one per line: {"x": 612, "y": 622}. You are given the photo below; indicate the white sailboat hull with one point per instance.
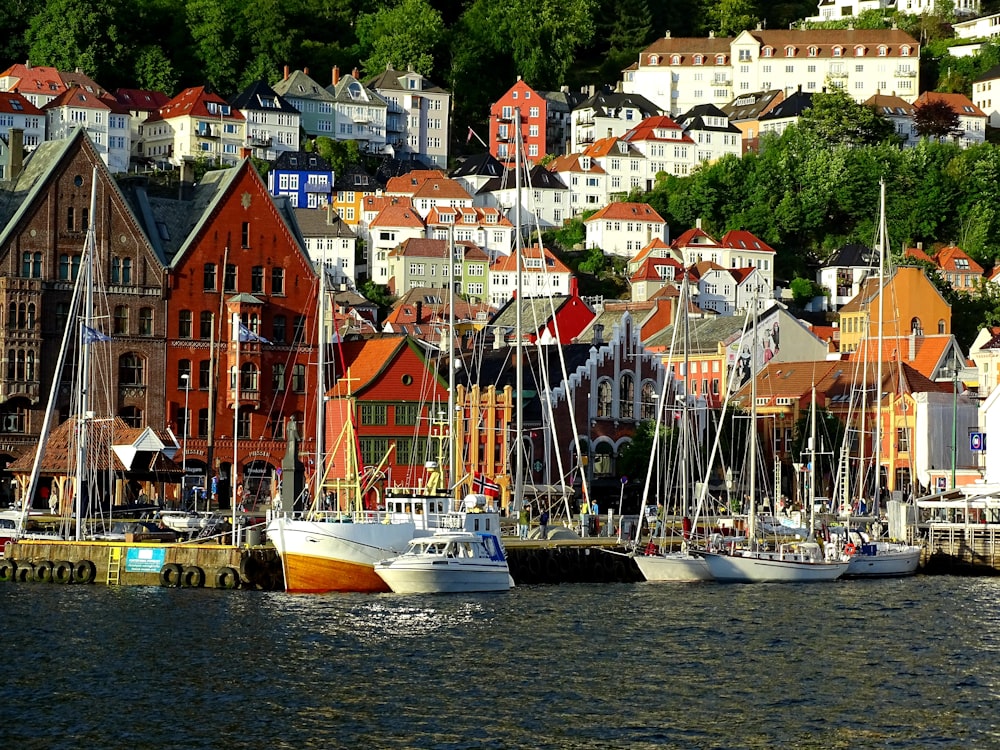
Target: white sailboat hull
{"x": 884, "y": 560}
{"x": 769, "y": 567}
{"x": 322, "y": 556}
{"x": 673, "y": 567}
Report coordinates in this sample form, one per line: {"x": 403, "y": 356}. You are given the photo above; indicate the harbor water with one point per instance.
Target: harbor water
{"x": 857, "y": 664}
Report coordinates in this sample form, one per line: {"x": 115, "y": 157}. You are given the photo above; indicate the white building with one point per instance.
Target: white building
{"x": 429, "y": 189}
{"x": 984, "y": 27}
{"x": 624, "y": 228}
{"x": 845, "y": 271}
{"x": 330, "y": 242}
{"x": 195, "y": 124}
{"x": 386, "y": 222}
{"x": 417, "y": 124}
{"x": 730, "y": 291}
{"x": 679, "y": 74}
{"x": 17, "y": 113}
{"x": 543, "y": 274}
{"x": 359, "y": 113}
{"x": 900, "y": 113}
{"x": 106, "y": 122}
{"x": 626, "y": 166}
{"x": 272, "y": 124}
{"x": 486, "y": 228}
{"x": 836, "y": 10}
{"x": 608, "y": 115}
{"x": 737, "y": 249}
{"x": 314, "y": 103}
{"x": 986, "y": 94}
{"x": 544, "y": 199}
{"x": 587, "y": 181}
{"x": 972, "y": 120}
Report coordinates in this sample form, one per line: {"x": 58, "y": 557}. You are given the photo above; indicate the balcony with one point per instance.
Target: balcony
{"x": 248, "y": 397}
{"x": 727, "y": 82}
{"x": 255, "y": 141}
{"x": 837, "y": 74}
{"x": 905, "y": 73}
{"x": 585, "y": 120}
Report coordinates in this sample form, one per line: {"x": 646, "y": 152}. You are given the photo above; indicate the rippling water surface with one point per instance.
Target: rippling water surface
{"x": 880, "y": 664}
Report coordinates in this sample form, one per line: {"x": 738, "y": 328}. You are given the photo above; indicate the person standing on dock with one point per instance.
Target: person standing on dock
{"x": 543, "y": 524}
{"x": 523, "y": 521}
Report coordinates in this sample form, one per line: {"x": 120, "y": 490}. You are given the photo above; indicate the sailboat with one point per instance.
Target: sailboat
{"x": 878, "y": 558}
{"x": 787, "y": 562}
{"x": 657, "y": 563}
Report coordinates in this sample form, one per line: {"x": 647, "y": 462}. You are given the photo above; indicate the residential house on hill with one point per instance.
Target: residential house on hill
{"x": 195, "y": 124}
{"x": 744, "y": 112}
{"x": 272, "y": 124}
{"x": 983, "y": 90}
{"x": 533, "y": 109}
{"x": 899, "y": 112}
{"x": 543, "y": 275}
{"x": 39, "y": 84}
{"x": 588, "y": 182}
{"x": 843, "y": 273}
{"x": 387, "y": 221}
{"x": 547, "y": 207}
{"x": 475, "y": 171}
{"x": 953, "y": 265}
{"x": 18, "y": 114}
{"x": 305, "y": 178}
{"x": 314, "y": 103}
{"x": 912, "y": 305}
{"x": 972, "y": 121}
{"x": 714, "y": 136}
{"x": 787, "y": 112}
{"x": 544, "y": 319}
{"x": 360, "y": 114}
{"x": 140, "y": 103}
{"x": 331, "y": 243}
{"x": 624, "y": 228}
{"x": 609, "y": 115}
{"x": 106, "y": 122}
{"x": 421, "y": 262}
{"x": 417, "y": 116}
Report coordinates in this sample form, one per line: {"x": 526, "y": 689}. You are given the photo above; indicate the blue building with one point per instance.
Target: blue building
{"x": 306, "y": 179}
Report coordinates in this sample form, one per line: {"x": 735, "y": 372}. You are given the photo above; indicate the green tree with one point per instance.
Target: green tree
{"x": 379, "y": 294}
{"x": 733, "y": 16}
{"x": 154, "y": 70}
{"x": 804, "y": 290}
{"x": 15, "y": 17}
{"x": 340, "y": 154}
{"x": 544, "y": 36}
{"x": 628, "y": 33}
{"x": 636, "y": 455}
{"x": 216, "y": 46}
{"x": 404, "y": 35}
{"x": 70, "y": 34}
{"x": 835, "y": 118}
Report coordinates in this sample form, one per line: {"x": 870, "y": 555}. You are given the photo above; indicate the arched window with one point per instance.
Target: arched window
{"x": 647, "y": 401}
{"x": 130, "y": 370}
{"x": 30, "y": 370}
{"x": 249, "y": 377}
{"x": 604, "y": 398}
{"x": 941, "y": 326}
{"x": 31, "y": 316}
{"x": 626, "y": 397}
{"x": 916, "y": 327}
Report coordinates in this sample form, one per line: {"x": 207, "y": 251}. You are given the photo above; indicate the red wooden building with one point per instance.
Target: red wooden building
{"x": 533, "y": 110}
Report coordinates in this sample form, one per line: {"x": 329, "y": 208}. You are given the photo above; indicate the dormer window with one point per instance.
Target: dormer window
{"x": 699, "y": 59}
{"x": 905, "y": 50}
{"x": 838, "y": 51}
{"x": 813, "y": 51}
{"x": 789, "y": 51}
{"x": 859, "y": 50}
{"x": 654, "y": 59}
{"x": 883, "y": 51}
{"x": 767, "y": 52}
{"x": 720, "y": 59}
{"x": 675, "y": 59}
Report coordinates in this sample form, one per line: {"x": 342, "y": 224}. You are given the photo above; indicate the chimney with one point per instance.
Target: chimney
{"x": 286, "y": 72}
{"x": 913, "y": 346}
{"x": 336, "y": 75}
{"x": 420, "y": 309}
{"x": 519, "y": 79}
{"x": 15, "y": 155}
{"x": 920, "y": 246}
{"x": 354, "y": 72}
{"x": 305, "y": 71}
{"x": 697, "y": 223}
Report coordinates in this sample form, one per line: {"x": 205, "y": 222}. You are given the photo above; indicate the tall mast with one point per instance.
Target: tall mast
{"x": 751, "y": 516}
{"x": 321, "y": 383}
{"x": 519, "y": 366}
{"x": 83, "y": 417}
{"x": 452, "y": 452}
{"x": 234, "y": 479}
{"x": 812, "y": 462}
{"x": 882, "y": 235}
{"x": 685, "y": 438}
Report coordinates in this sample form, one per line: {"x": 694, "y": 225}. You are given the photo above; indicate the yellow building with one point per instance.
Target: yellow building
{"x": 912, "y": 304}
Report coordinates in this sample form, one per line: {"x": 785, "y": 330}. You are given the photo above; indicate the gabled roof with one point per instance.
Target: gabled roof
{"x": 538, "y": 178}
{"x": 955, "y": 259}
{"x": 420, "y": 247}
{"x": 301, "y": 161}
{"x": 851, "y": 256}
{"x": 479, "y": 165}
{"x": 35, "y": 79}
{"x": 959, "y": 103}
{"x": 752, "y": 105}
{"x": 141, "y": 100}
{"x": 696, "y": 119}
{"x": 625, "y": 211}
{"x": 657, "y": 269}
{"x": 391, "y": 80}
{"x": 78, "y": 98}
{"x": 827, "y": 39}
{"x": 508, "y": 263}
{"x": 194, "y": 102}
{"x": 792, "y": 106}
{"x": 350, "y": 90}
{"x": 355, "y": 179}
{"x": 363, "y": 360}
{"x": 917, "y": 253}
{"x": 441, "y": 189}
{"x": 647, "y": 130}
{"x": 740, "y": 239}
{"x": 467, "y": 216}
{"x": 890, "y": 105}
{"x": 377, "y": 203}
{"x": 12, "y": 103}
{"x": 924, "y": 353}
{"x": 301, "y": 86}
{"x": 258, "y": 96}
{"x": 694, "y": 237}
{"x": 609, "y": 104}
{"x": 322, "y": 222}
{"x": 397, "y": 215}
{"x": 572, "y": 163}
{"x": 698, "y": 270}
{"x": 432, "y": 304}
{"x": 869, "y": 290}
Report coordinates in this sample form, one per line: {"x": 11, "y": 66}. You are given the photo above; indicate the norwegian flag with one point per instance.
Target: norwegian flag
{"x": 483, "y": 486}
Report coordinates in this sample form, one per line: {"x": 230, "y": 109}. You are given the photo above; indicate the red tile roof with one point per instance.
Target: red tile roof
{"x": 193, "y": 102}
{"x": 740, "y": 239}
{"x": 23, "y": 106}
{"x": 509, "y": 262}
{"x": 624, "y": 211}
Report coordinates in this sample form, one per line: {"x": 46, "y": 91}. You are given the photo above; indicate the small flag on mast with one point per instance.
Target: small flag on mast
{"x": 247, "y": 335}
{"x": 91, "y": 335}
{"x": 483, "y": 486}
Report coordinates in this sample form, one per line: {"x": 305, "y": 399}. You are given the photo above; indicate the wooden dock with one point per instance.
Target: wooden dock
{"x": 142, "y": 563}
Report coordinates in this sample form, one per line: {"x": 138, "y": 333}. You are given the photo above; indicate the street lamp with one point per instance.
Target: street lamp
{"x": 186, "y": 378}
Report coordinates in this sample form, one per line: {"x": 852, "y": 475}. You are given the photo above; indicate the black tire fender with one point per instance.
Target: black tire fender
{"x": 62, "y": 571}
{"x": 84, "y": 572}
{"x": 43, "y": 572}
{"x": 170, "y": 575}
{"x": 227, "y": 578}
{"x": 193, "y": 577}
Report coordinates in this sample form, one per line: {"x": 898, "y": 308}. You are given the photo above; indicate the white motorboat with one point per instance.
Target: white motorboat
{"x": 882, "y": 560}
{"x": 793, "y": 562}
{"x": 450, "y": 561}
